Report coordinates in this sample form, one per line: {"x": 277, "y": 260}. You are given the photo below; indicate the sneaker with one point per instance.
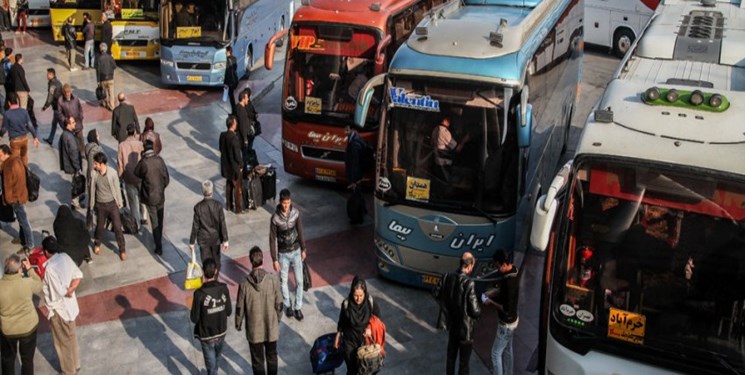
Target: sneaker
{"x": 89, "y": 260}
{"x": 288, "y": 312}
{"x": 299, "y": 315}
{"x": 159, "y": 252}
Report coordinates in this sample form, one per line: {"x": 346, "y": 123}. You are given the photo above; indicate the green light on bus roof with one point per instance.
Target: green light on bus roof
{"x": 712, "y": 102}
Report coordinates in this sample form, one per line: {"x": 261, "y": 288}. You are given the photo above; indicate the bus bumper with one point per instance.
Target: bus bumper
{"x": 298, "y": 164}
{"x": 170, "y": 75}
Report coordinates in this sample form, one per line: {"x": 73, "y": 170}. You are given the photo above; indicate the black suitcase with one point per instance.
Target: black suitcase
{"x": 255, "y": 195}
{"x": 269, "y": 184}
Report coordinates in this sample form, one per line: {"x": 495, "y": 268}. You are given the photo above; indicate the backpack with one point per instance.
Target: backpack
{"x": 6, "y": 70}
{"x": 32, "y": 185}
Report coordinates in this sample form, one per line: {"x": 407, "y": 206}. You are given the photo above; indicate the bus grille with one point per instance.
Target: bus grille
{"x": 323, "y": 154}
{"x": 193, "y": 66}
{"x": 132, "y": 42}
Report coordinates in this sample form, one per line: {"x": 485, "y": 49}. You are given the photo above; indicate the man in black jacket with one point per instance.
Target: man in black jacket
{"x": 230, "y": 81}
{"x": 506, "y": 303}
{"x": 208, "y": 228}
{"x": 54, "y": 92}
{"x": 70, "y": 35}
{"x": 123, "y": 115}
{"x": 153, "y": 173}
{"x": 247, "y": 118}
{"x": 209, "y": 313}
{"x": 107, "y": 32}
{"x": 18, "y": 78}
{"x": 230, "y": 165}
{"x": 105, "y": 66}
{"x": 69, "y": 155}
{"x": 68, "y": 105}
{"x": 457, "y": 296}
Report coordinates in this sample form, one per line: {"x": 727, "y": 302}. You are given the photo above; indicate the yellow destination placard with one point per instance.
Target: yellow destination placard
{"x": 188, "y": 32}
{"x": 132, "y": 13}
{"x": 313, "y": 105}
{"x": 626, "y": 326}
{"x": 417, "y": 189}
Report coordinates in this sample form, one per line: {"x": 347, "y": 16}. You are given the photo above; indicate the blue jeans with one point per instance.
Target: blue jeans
{"x": 501, "y": 351}
{"x": 53, "y": 131}
{"x": 212, "y": 351}
{"x": 133, "y": 201}
{"x": 27, "y": 236}
{"x": 285, "y": 259}
{"x": 89, "y": 53}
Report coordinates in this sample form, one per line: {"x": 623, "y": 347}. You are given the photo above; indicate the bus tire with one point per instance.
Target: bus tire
{"x": 623, "y": 38}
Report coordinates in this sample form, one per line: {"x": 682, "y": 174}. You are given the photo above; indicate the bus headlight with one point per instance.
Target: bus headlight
{"x": 290, "y": 146}
{"x": 219, "y": 65}
{"x": 715, "y": 100}
{"x": 697, "y": 97}
{"x": 386, "y": 249}
{"x": 672, "y": 95}
{"x": 167, "y": 63}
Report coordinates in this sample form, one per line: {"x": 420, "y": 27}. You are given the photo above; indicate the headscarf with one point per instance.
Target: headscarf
{"x": 359, "y": 315}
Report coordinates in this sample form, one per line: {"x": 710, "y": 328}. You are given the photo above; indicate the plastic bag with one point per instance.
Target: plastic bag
{"x": 193, "y": 273}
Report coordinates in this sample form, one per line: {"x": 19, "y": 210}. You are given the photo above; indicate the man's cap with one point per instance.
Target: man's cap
{"x": 50, "y": 244}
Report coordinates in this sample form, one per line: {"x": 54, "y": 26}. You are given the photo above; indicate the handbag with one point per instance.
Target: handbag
{"x": 78, "y": 185}
{"x": 100, "y": 93}
{"x": 307, "y": 282}
{"x": 193, "y": 273}
{"x": 32, "y": 185}
{"x": 370, "y": 357}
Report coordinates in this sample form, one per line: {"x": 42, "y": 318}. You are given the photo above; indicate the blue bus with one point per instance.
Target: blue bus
{"x": 477, "y": 108}
{"x": 194, "y": 35}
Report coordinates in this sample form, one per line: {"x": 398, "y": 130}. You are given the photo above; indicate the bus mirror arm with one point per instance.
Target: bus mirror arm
{"x": 545, "y": 211}
{"x": 379, "y": 54}
{"x": 364, "y": 98}
{"x": 271, "y": 46}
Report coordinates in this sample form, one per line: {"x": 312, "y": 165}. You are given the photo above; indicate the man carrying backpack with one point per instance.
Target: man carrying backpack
{"x": 54, "y": 92}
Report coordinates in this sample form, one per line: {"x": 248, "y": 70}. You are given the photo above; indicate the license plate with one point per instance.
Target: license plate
{"x": 326, "y": 172}
{"x": 430, "y": 279}
{"x": 133, "y": 54}
{"x": 326, "y": 178}
{"x": 194, "y": 78}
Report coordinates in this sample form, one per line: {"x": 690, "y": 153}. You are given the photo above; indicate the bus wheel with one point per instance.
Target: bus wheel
{"x": 622, "y": 40}
{"x": 281, "y": 41}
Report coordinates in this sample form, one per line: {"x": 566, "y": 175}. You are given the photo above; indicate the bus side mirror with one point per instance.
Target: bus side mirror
{"x": 380, "y": 55}
{"x": 380, "y": 64}
{"x": 545, "y": 210}
{"x": 525, "y": 119}
{"x": 270, "y": 48}
{"x": 364, "y": 99}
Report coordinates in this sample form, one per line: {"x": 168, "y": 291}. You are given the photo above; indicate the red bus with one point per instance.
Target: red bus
{"x": 334, "y": 48}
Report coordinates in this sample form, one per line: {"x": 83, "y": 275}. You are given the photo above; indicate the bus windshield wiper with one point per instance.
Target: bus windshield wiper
{"x": 482, "y": 212}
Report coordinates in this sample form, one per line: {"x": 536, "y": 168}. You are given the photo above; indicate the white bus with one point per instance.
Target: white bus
{"x": 38, "y": 14}
{"x": 644, "y": 231}
{"x": 616, "y": 23}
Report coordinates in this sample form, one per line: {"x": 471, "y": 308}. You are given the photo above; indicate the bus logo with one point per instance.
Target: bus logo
{"x": 473, "y": 242}
{"x": 400, "y": 230}
{"x": 304, "y": 42}
{"x": 400, "y": 98}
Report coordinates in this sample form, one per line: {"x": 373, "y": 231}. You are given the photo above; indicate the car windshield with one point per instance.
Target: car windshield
{"x": 654, "y": 260}
{"x": 195, "y": 21}
{"x": 446, "y": 146}
{"x": 329, "y": 65}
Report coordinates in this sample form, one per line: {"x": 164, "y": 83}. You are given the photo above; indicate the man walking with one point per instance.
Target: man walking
{"x": 70, "y": 35}
{"x": 208, "y": 228}
{"x": 230, "y": 165}
{"x": 209, "y": 313}
{"x": 89, "y": 50}
{"x": 128, "y": 155}
{"x": 230, "y": 81}
{"x": 287, "y": 247}
{"x": 18, "y": 317}
{"x": 17, "y": 124}
{"x": 106, "y": 199}
{"x": 68, "y": 106}
{"x": 54, "y": 92}
{"x": 61, "y": 279}
{"x": 506, "y": 303}
{"x": 123, "y": 115}
{"x": 105, "y": 66}
{"x": 153, "y": 173}
{"x": 69, "y": 156}
{"x": 260, "y": 301}
{"x": 18, "y": 80}
{"x": 15, "y": 193}
{"x": 457, "y": 296}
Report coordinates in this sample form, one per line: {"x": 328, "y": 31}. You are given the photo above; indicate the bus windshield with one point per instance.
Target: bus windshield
{"x": 195, "y": 21}
{"x": 328, "y": 64}
{"x": 653, "y": 265}
{"x": 446, "y": 146}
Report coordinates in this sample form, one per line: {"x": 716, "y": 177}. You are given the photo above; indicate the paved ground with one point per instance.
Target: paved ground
{"x": 134, "y": 314}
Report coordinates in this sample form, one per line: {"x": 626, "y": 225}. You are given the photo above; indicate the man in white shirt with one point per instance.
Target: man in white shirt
{"x": 61, "y": 278}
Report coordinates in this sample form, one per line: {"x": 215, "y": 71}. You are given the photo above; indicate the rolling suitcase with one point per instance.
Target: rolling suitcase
{"x": 324, "y": 358}
{"x": 255, "y": 195}
{"x": 269, "y": 184}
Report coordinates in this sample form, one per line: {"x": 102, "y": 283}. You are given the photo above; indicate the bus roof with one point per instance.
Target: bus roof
{"x": 349, "y": 12}
{"x": 457, "y": 41}
{"x": 678, "y": 133}
{"x": 688, "y": 30}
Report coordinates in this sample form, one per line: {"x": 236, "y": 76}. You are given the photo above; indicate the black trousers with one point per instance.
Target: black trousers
{"x": 460, "y": 350}
{"x": 234, "y": 194}
{"x": 156, "y": 220}
{"x": 10, "y": 348}
{"x": 210, "y": 252}
{"x": 231, "y": 97}
{"x": 264, "y": 354}
{"x": 109, "y": 211}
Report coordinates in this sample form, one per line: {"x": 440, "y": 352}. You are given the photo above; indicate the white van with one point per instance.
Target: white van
{"x": 616, "y": 23}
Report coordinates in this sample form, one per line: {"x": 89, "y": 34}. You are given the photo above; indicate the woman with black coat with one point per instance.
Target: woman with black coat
{"x": 354, "y": 317}
{"x": 72, "y": 237}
